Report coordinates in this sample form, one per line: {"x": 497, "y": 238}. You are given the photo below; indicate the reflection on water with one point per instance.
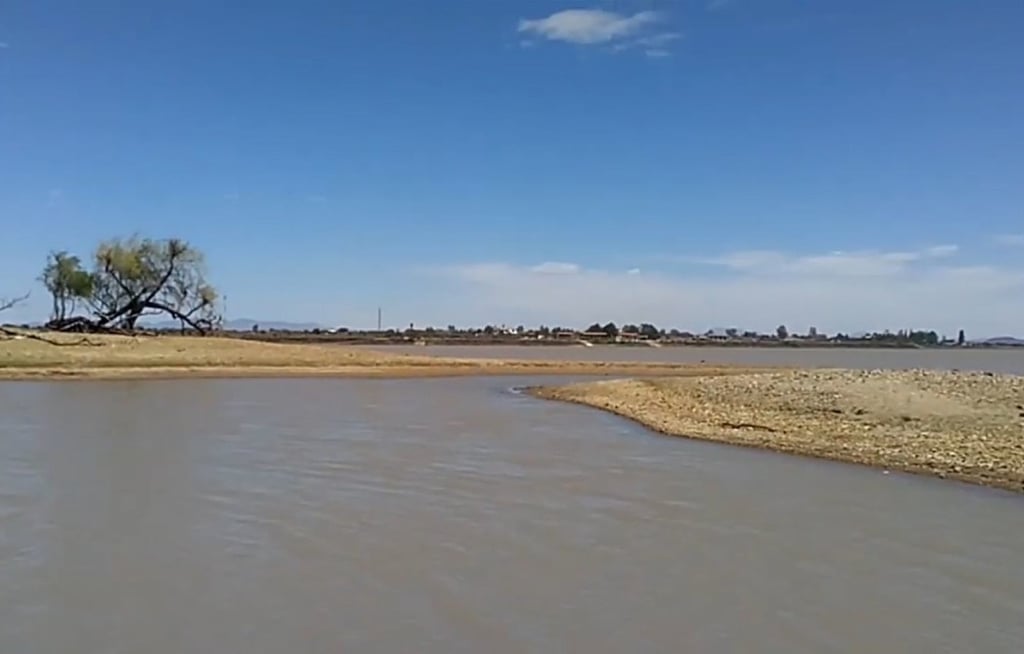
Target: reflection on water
{"x": 455, "y": 516}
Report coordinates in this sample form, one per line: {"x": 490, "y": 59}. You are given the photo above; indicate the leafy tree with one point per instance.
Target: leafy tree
{"x": 782, "y": 332}
{"x": 132, "y": 278}
{"x": 610, "y": 330}
{"x": 146, "y": 277}
{"x": 961, "y": 338}
{"x": 650, "y": 331}
{"x": 67, "y": 283}
{"x": 630, "y": 329}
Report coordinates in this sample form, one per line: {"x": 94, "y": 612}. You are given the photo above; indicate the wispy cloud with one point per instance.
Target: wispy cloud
{"x": 653, "y": 45}
{"x": 1010, "y": 239}
{"x": 941, "y": 250}
{"x": 556, "y": 268}
{"x": 834, "y": 291}
{"x": 837, "y": 263}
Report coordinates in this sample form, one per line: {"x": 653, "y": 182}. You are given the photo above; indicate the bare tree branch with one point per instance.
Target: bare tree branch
{"x": 8, "y": 304}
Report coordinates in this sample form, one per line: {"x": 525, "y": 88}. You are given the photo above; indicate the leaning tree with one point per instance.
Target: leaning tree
{"x": 130, "y": 279}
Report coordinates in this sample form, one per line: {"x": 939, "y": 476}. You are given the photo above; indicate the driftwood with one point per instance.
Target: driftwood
{"x": 78, "y": 324}
{"x": 83, "y": 325}
{"x": 13, "y": 333}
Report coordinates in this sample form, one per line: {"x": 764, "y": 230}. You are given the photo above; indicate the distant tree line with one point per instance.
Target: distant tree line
{"x": 901, "y": 336}
{"x": 610, "y": 330}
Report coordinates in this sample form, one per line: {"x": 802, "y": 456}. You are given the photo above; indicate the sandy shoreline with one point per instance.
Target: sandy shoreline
{"x": 168, "y": 357}
{"x": 963, "y": 426}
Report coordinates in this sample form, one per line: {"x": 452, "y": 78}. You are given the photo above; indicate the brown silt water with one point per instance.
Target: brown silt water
{"x": 455, "y": 515}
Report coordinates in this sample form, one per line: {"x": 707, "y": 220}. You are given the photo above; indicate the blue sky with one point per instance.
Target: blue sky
{"x": 851, "y": 165}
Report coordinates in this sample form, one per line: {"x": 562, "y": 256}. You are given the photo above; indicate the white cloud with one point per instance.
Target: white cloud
{"x": 756, "y": 290}
{"x": 588, "y": 26}
{"x": 1010, "y": 239}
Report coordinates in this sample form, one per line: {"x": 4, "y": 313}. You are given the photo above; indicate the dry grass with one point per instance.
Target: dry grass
{"x": 174, "y": 351}
{"x": 176, "y": 356}
{"x": 967, "y": 426}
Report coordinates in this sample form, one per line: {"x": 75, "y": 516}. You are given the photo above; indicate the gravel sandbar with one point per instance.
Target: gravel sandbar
{"x": 965, "y": 426}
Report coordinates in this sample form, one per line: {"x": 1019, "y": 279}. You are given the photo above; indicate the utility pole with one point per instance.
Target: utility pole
{"x": 379, "y": 326}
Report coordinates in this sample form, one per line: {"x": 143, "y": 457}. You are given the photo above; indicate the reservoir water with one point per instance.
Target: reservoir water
{"x": 455, "y": 515}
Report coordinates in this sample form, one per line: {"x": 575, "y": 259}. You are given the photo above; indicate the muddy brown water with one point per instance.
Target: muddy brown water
{"x": 454, "y": 515}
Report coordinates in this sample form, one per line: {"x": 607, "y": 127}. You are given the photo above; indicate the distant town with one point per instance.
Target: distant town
{"x": 643, "y": 334}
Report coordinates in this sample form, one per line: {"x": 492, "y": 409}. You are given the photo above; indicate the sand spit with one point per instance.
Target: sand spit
{"x": 964, "y": 426}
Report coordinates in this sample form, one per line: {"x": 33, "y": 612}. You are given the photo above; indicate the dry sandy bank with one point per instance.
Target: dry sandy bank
{"x": 965, "y": 426}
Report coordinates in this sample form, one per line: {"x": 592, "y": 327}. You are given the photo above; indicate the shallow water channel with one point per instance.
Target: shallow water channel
{"x": 455, "y": 515}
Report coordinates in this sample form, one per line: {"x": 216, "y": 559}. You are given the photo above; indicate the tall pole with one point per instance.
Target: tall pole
{"x": 379, "y": 328}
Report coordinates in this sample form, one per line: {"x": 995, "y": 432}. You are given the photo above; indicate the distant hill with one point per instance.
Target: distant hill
{"x": 246, "y": 325}
{"x": 1004, "y": 341}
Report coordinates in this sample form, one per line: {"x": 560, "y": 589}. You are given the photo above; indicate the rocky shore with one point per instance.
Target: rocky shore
{"x": 964, "y": 426}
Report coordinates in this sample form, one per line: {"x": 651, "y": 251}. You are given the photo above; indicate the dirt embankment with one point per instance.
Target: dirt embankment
{"x": 966, "y": 426}
{"x": 69, "y": 356}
